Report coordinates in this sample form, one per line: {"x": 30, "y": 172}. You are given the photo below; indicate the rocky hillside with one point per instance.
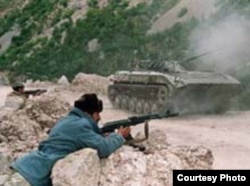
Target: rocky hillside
{"x": 182, "y": 12}
{"x": 46, "y": 39}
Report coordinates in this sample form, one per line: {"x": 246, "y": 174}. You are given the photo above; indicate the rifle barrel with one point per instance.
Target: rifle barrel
{"x": 134, "y": 120}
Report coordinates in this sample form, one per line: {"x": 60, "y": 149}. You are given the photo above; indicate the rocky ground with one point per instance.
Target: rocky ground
{"x": 227, "y": 135}
{"x": 181, "y": 139}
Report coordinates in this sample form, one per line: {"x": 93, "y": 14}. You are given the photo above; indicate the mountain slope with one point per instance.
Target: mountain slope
{"x": 58, "y": 33}
{"x": 194, "y": 8}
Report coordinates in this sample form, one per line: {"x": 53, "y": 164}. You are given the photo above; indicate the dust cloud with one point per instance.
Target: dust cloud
{"x": 228, "y": 42}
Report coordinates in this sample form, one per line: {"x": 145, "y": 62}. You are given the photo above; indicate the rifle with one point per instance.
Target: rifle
{"x": 36, "y": 92}
{"x": 132, "y": 121}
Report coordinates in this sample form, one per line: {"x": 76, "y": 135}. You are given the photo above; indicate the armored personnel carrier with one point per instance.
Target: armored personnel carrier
{"x": 172, "y": 88}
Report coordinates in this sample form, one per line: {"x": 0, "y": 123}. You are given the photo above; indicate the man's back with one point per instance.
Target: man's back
{"x": 60, "y": 143}
{"x": 74, "y": 132}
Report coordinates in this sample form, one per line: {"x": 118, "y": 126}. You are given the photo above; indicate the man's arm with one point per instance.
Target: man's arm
{"x": 35, "y": 92}
{"x": 104, "y": 145}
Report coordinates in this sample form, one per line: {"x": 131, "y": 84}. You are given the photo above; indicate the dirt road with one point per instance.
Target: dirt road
{"x": 227, "y": 135}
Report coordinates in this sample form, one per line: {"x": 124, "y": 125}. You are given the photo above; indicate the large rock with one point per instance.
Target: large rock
{"x": 4, "y": 163}
{"x": 154, "y": 168}
{"x": 46, "y": 110}
{"x": 77, "y": 169}
{"x": 4, "y": 178}
{"x": 22, "y": 130}
{"x": 90, "y": 83}
{"x": 14, "y": 102}
{"x": 16, "y": 180}
{"x": 63, "y": 81}
{"x": 151, "y": 169}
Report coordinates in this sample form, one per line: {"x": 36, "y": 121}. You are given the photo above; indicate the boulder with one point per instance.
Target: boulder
{"x": 128, "y": 166}
{"x": 16, "y": 180}
{"x": 22, "y": 130}
{"x": 90, "y": 83}
{"x": 63, "y": 81}
{"x": 4, "y": 178}
{"x": 47, "y": 109}
{"x": 4, "y": 163}
{"x": 78, "y": 169}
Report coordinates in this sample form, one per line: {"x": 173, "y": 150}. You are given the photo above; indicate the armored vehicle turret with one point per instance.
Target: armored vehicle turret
{"x": 172, "y": 88}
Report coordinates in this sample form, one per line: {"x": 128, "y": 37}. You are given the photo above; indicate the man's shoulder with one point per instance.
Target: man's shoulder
{"x": 15, "y": 94}
{"x": 83, "y": 122}
{"x": 74, "y": 121}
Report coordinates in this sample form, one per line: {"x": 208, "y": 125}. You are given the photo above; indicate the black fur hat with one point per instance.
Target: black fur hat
{"x": 89, "y": 103}
{"x": 17, "y": 86}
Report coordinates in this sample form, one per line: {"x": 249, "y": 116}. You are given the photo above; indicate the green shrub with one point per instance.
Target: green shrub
{"x": 64, "y": 3}
{"x": 183, "y": 12}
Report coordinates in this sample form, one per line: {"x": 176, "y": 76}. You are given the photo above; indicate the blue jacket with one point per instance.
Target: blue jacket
{"x": 74, "y": 132}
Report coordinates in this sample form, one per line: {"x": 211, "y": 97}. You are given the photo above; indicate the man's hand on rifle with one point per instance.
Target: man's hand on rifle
{"x": 124, "y": 131}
